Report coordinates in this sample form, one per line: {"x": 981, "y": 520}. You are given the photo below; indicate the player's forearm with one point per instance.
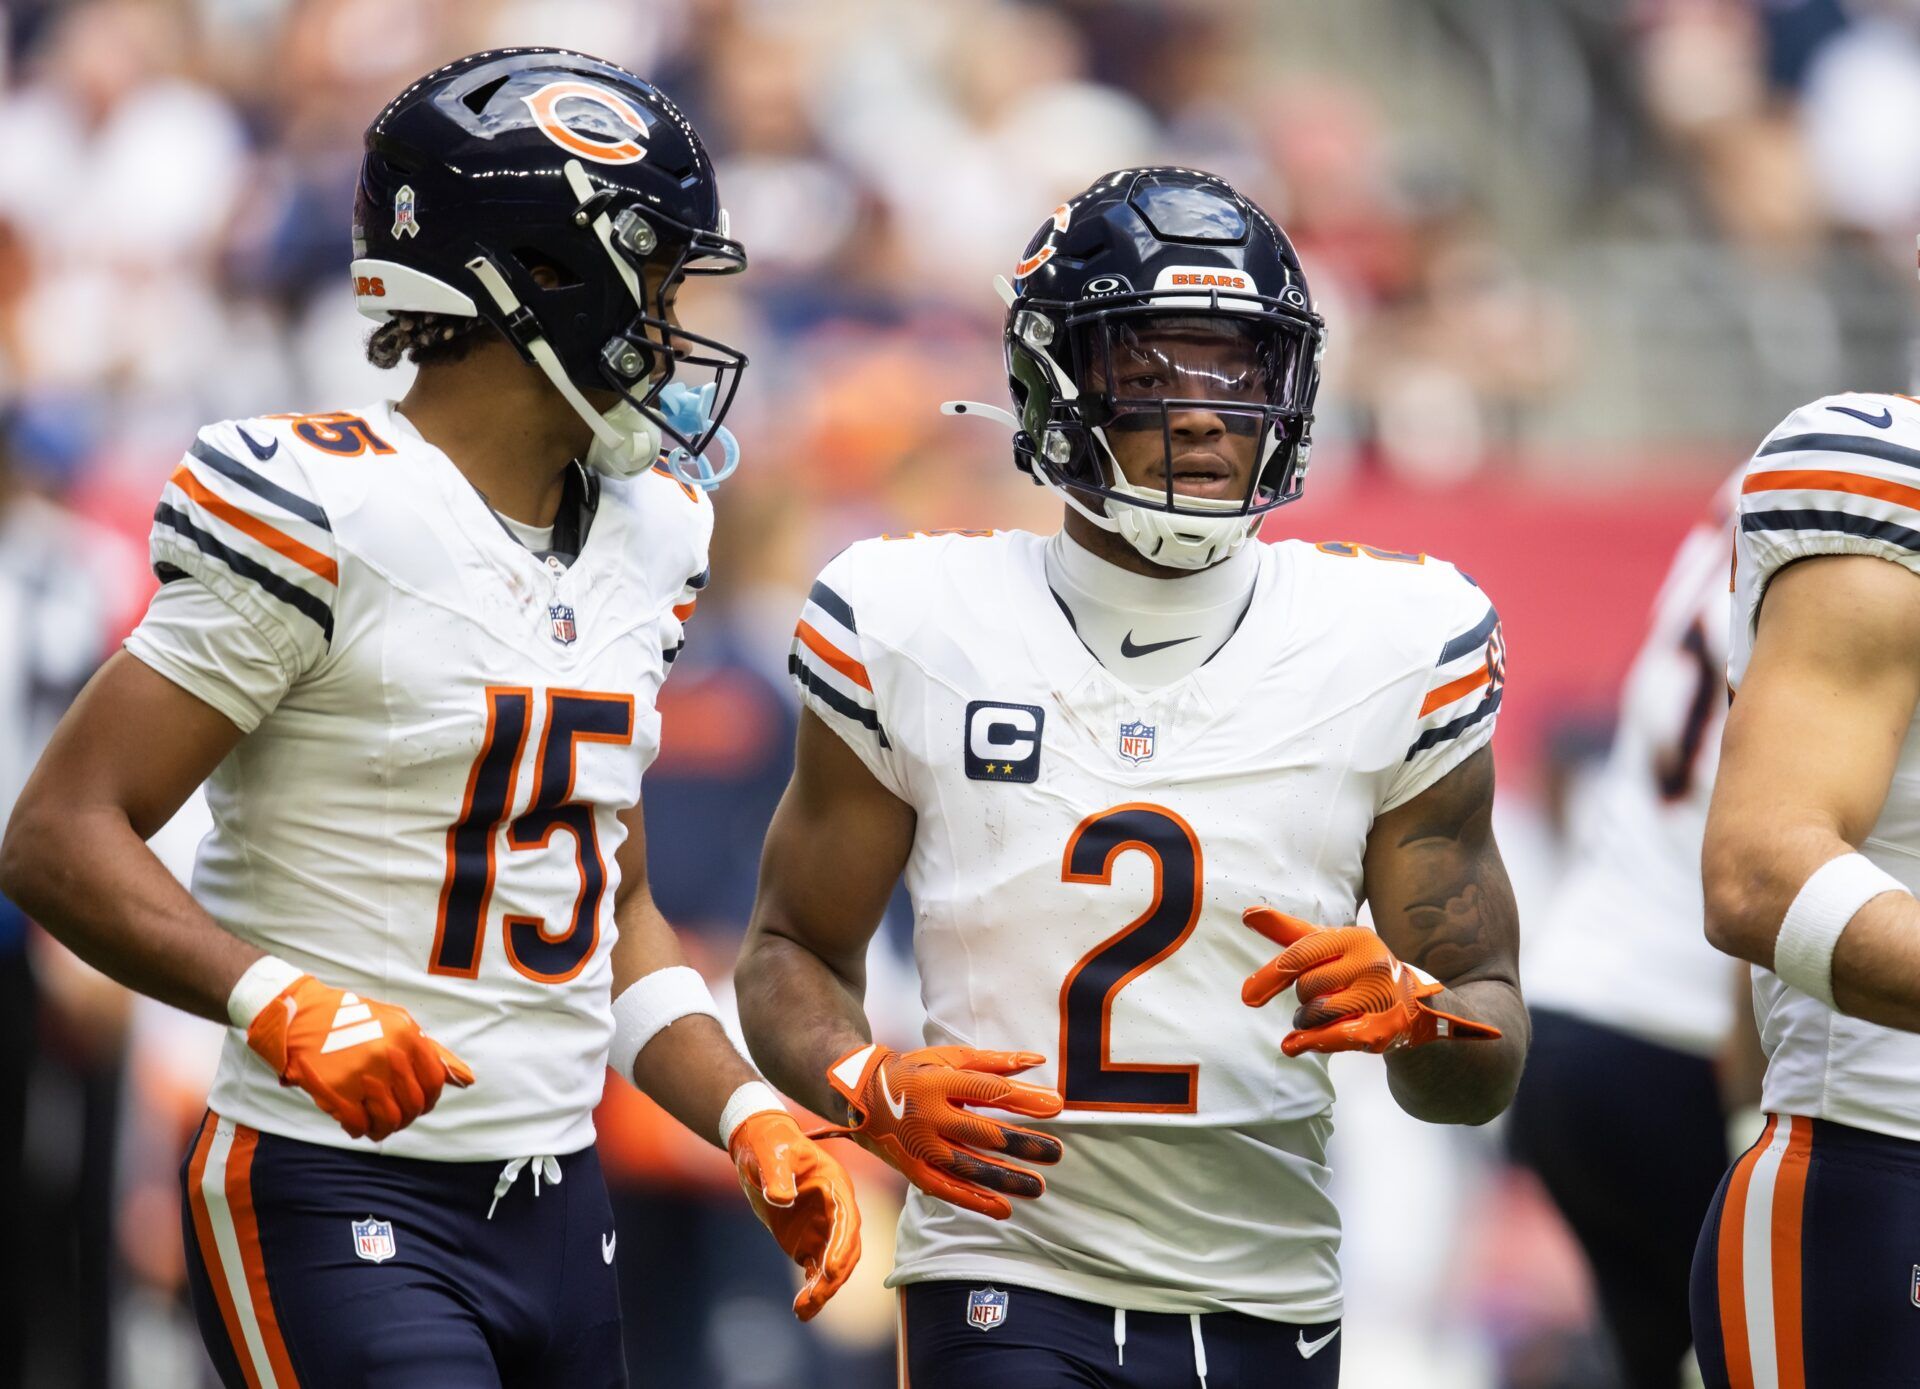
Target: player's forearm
{"x": 690, "y": 1069}
{"x": 89, "y": 879}
{"x": 1467, "y": 1082}
{"x": 799, "y": 1015}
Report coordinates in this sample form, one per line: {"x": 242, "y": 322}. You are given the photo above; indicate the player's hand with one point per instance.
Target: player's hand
{"x": 804, "y": 1196}
{"x": 367, "y": 1064}
{"x": 1354, "y": 994}
{"x": 910, "y": 1108}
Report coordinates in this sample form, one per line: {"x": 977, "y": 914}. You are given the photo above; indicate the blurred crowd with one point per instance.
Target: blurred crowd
{"x": 1555, "y": 240}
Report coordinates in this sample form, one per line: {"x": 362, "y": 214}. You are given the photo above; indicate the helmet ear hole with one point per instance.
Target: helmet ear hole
{"x": 546, "y": 271}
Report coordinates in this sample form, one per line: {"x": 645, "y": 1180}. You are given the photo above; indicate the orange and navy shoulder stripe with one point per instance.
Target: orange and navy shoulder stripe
{"x": 826, "y": 661}
{"x": 684, "y": 605}
{"x": 218, "y": 516}
{"x": 1466, "y": 685}
{"x": 1816, "y": 482}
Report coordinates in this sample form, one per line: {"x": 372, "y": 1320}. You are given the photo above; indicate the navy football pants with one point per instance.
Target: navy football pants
{"x": 1808, "y": 1270}
{"x": 1629, "y": 1140}
{"x": 1040, "y": 1340}
{"x": 288, "y": 1292}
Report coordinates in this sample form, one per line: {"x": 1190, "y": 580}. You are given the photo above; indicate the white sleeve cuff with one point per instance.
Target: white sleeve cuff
{"x": 648, "y": 1006}
{"x": 263, "y": 982}
{"x": 755, "y": 1097}
{"x": 1826, "y": 902}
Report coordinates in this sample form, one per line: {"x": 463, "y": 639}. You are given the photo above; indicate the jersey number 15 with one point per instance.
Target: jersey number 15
{"x": 546, "y": 956}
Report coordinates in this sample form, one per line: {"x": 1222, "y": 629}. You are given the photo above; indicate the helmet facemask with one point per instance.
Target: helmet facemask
{"x": 675, "y": 385}
{"x": 1184, "y": 415}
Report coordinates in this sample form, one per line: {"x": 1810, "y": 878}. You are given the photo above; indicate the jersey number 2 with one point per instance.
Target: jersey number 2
{"x": 1089, "y": 1077}
{"x": 573, "y": 717}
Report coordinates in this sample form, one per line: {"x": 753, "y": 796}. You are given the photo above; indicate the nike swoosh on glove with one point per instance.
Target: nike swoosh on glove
{"x": 367, "y": 1064}
{"x": 1354, "y": 994}
{"x": 803, "y": 1195}
{"x": 911, "y": 1108}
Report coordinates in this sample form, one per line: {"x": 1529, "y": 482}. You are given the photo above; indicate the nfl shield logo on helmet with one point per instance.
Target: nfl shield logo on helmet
{"x": 1136, "y": 741}
{"x": 564, "y": 629}
{"x": 373, "y": 1239}
{"x": 986, "y": 1308}
{"x": 403, "y": 218}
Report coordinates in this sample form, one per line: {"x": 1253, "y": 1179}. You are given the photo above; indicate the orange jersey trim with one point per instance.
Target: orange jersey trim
{"x": 1454, "y": 689}
{"x": 304, "y": 556}
{"x": 833, "y": 655}
{"x": 1823, "y": 480}
{"x": 685, "y": 610}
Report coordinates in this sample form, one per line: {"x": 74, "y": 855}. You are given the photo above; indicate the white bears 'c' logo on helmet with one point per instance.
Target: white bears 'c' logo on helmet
{"x": 545, "y": 105}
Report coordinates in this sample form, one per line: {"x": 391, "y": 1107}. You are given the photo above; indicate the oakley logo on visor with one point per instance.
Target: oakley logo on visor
{"x": 612, "y": 134}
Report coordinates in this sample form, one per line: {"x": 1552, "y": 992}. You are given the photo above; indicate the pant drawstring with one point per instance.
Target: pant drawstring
{"x": 1199, "y": 1350}
{"x": 1120, "y": 1334}
{"x": 544, "y": 1166}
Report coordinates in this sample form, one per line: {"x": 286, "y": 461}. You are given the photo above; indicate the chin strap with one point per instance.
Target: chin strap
{"x": 625, "y": 441}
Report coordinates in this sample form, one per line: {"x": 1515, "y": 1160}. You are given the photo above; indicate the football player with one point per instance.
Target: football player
{"x": 1120, "y": 767}
{"x": 414, "y": 649}
{"x": 1808, "y": 1267}
{"x": 1621, "y": 1112}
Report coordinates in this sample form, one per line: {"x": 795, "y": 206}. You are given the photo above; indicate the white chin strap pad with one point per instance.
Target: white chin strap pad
{"x": 1183, "y": 542}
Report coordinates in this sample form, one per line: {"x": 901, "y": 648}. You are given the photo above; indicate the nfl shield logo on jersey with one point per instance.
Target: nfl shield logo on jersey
{"x": 986, "y": 1308}
{"x": 1136, "y": 741}
{"x": 373, "y": 1239}
{"x": 1915, "y": 1291}
{"x": 564, "y": 630}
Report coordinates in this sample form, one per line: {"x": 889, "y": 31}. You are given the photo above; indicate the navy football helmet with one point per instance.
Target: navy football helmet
{"x": 525, "y": 159}
{"x": 1157, "y": 293}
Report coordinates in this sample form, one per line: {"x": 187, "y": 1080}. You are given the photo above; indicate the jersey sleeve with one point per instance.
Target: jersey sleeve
{"x": 196, "y": 639}
{"x": 1456, "y": 714}
{"x": 246, "y": 528}
{"x": 1838, "y": 477}
{"x": 831, "y": 665}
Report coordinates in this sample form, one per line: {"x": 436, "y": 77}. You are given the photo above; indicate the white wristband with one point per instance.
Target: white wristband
{"x": 755, "y": 1097}
{"x": 649, "y": 1005}
{"x": 263, "y": 982}
{"x": 1826, "y": 902}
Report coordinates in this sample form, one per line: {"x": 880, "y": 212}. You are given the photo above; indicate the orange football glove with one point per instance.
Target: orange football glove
{"x": 908, "y": 1108}
{"x": 1354, "y": 994}
{"x": 804, "y": 1197}
{"x": 366, "y": 1064}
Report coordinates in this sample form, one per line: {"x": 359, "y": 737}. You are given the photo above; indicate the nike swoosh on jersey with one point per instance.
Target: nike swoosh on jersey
{"x": 263, "y": 454}
{"x": 1309, "y": 1349}
{"x": 1127, "y": 648}
{"x": 899, "y": 1107}
{"x": 1884, "y": 420}
{"x": 606, "y": 1246}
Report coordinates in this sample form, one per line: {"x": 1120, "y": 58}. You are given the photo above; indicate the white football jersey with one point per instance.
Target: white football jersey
{"x": 1837, "y": 477}
{"x": 1082, "y": 856}
{"x": 1623, "y": 942}
{"x": 441, "y": 731}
